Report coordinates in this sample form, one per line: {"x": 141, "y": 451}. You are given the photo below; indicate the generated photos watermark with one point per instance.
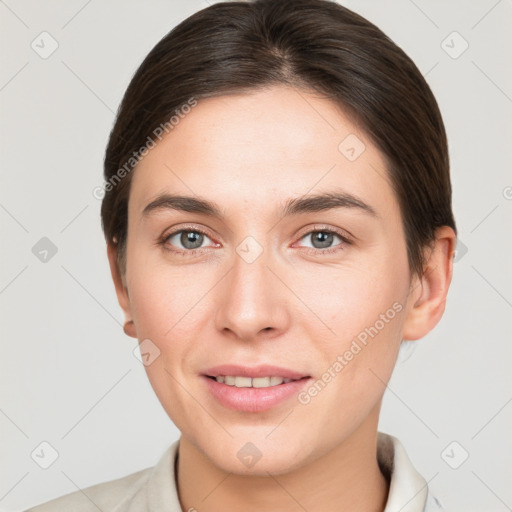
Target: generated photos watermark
{"x": 357, "y": 345}
{"x": 158, "y": 133}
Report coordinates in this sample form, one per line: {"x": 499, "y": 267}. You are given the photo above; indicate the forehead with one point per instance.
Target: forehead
{"x": 248, "y": 149}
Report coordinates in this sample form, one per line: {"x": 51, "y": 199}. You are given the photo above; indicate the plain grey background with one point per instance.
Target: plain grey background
{"x": 69, "y": 376}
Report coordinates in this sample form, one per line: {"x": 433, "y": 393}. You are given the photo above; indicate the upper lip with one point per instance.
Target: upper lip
{"x": 253, "y": 371}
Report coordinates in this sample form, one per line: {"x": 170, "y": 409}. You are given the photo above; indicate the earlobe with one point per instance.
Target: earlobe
{"x": 129, "y": 329}
{"x": 121, "y": 290}
{"x": 428, "y": 295}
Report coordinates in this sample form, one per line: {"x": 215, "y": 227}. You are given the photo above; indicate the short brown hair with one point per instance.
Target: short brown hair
{"x": 236, "y": 47}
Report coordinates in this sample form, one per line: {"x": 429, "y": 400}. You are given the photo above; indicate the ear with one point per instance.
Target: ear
{"x": 121, "y": 290}
{"x": 429, "y": 291}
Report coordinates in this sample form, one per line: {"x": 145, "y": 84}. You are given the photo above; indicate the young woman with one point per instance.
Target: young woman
{"x": 278, "y": 220}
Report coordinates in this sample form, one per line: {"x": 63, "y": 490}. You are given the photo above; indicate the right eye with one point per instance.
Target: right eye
{"x": 185, "y": 240}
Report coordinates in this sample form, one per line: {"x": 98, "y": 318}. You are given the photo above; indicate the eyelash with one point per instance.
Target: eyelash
{"x": 193, "y": 229}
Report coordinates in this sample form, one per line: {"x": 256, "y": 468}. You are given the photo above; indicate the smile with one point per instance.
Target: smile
{"x": 248, "y": 382}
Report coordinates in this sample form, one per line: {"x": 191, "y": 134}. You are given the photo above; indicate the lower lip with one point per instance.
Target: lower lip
{"x": 253, "y": 399}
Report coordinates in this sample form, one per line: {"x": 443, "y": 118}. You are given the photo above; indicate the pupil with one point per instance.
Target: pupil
{"x": 191, "y": 239}
{"x": 324, "y": 239}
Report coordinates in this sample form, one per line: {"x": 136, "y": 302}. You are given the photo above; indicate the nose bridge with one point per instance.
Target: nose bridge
{"x": 251, "y": 301}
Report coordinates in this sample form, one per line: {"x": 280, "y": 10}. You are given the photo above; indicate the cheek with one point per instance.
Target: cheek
{"x": 164, "y": 296}
{"x": 172, "y": 307}
{"x": 364, "y": 310}
{"x": 168, "y": 310}
{"x": 352, "y": 298}
{"x": 359, "y": 364}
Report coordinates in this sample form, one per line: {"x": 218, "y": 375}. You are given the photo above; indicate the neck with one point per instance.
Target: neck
{"x": 347, "y": 478}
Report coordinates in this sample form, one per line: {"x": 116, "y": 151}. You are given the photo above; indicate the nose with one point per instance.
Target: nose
{"x": 252, "y": 302}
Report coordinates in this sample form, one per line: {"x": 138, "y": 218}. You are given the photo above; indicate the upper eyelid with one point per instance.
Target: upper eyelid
{"x": 166, "y": 236}
{"x": 324, "y": 228}
{"x": 196, "y": 229}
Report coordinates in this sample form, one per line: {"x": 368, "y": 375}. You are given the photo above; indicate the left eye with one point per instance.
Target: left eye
{"x": 322, "y": 239}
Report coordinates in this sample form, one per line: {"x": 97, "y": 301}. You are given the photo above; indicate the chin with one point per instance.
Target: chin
{"x": 256, "y": 456}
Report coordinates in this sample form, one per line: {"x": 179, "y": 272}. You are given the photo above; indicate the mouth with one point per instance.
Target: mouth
{"x": 255, "y": 389}
{"x": 248, "y": 382}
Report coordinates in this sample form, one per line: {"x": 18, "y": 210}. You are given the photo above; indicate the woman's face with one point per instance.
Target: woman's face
{"x": 270, "y": 275}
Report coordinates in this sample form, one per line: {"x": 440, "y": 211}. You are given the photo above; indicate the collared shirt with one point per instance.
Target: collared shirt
{"x": 154, "y": 489}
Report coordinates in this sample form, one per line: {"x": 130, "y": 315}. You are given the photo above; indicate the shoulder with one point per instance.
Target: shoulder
{"x": 105, "y": 496}
{"x": 147, "y": 489}
{"x": 152, "y": 488}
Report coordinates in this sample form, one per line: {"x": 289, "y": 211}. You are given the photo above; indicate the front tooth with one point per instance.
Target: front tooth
{"x": 261, "y": 382}
{"x": 248, "y": 382}
{"x": 243, "y": 382}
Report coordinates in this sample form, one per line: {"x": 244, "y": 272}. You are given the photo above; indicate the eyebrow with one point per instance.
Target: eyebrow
{"x": 295, "y": 206}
